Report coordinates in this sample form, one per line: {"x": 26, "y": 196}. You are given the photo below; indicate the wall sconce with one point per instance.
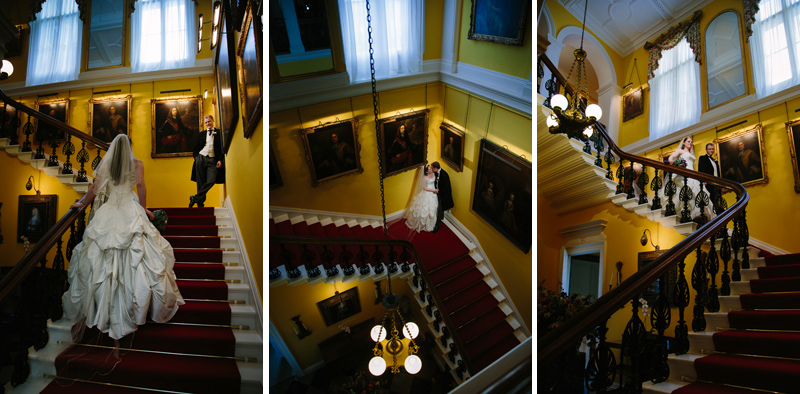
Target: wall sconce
{"x": 643, "y": 240}
{"x": 29, "y": 185}
{"x": 205, "y": 95}
{"x": 6, "y": 69}
{"x": 301, "y": 331}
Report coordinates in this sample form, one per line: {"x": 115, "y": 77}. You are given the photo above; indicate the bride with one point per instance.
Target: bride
{"x": 685, "y": 152}
{"x": 121, "y": 272}
{"x": 421, "y": 213}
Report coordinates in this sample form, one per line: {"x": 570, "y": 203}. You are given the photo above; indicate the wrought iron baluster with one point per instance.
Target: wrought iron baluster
{"x": 632, "y": 345}
{"x": 377, "y": 261}
{"x": 68, "y": 150}
{"x": 404, "y": 257}
{"x": 286, "y": 258}
{"x": 602, "y": 368}
{"x": 82, "y": 157}
{"x": 630, "y": 176}
{"x": 655, "y": 186}
{"x": 660, "y": 319}
{"x": 96, "y": 160}
{"x": 344, "y": 261}
{"x": 736, "y": 275}
{"x": 53, "y": 161}
{"x": 14, "y": 129}
{"x": 423, "y": 288}
{"x": 686, "y": 196}
{"x": 599, "y": 147}
{"x": 699, "y": 283}
{"x": 551, "y": 86}
{"x": 712, "y": 267}
{"x": 328, "y": 256}
{"x": 445, "y": 335}
{"x": 27, "y": 130}
{"x": 307, "y": 257}
{"x": 60, "y": 284}
{"x": 437, "y": 320}
{"x": 539, "y": 73}
{"x": 681, "y": 296}
{"x": 392, "y": 266}
{"x": 453, "y": 353}
{"x": 40, "y": 138}
{"x": 744, "y": 234}
{"x": 642, "y": 182}
{"x": 609, "y": 161}
{"x": 415, "y": 280}
{"x": 620, "y": 178}
{"x": 669, "y": 190}
{"x": 586, "y": 147}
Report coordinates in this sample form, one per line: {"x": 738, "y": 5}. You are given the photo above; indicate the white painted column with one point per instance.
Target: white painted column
{"x": 609, "y": 98}
{"x": 553, "y": 53}
{"x": 292, "y": 27}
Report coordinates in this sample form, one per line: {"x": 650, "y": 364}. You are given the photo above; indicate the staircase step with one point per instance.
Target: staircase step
{"x": 172, "y": 211}
{"x": 193, "y": 242}
{"x": 497, "y": 351}
{"x": 210, "y": 231}
{"x": 709, "y": 388}
{"x": 466, "y": 297}
{"x": 497, "y": 334}
{"x": 754, "y": 372}
{"x": 760, "y": 343}
{"x": 770, "y": 301}
{"x": 470, "y": 311}
{"x": 203, "y": 290}
{"x": 775, "y": 285}
{"x": 199, "y": 271}
{"x": 209, "y": 220}
{"x": 199, "y": 312}
{"x": 765, "y": 320}
{"x": 451, "y": 270}
{"x": 778, "y": 271}
{"x": 667, "y": 387}
{"x": 459, "y": 284}
{"x": 198, "y": 255}
{"x": 483, "y": 323}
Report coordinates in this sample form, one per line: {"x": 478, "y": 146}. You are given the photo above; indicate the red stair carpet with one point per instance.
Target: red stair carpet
{"x": 479, "y": 323}
{"x": 763, "y": 353}
{"x": 169, "y": 356}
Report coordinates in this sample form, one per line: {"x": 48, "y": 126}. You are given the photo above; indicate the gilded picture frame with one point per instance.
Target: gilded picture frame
{"x": 110, "y": 117}
{"x": 58, "y": 109}
{"x": 226, "y": 91}
{"x": 742, "y": 157}
{"x": 632, "y": 104}
{"x": 339, "y": 307}
{"x": 248, "y": 62}
{"x": 452, "y": 146}
{"x": 404, "y": 150}
{"x": 36, "y": 215}
{"x": 175, "y": 137}
{"x": 793, "y": 131}
{"x": 501, "y": 23}
{"x": 332, "y": 150}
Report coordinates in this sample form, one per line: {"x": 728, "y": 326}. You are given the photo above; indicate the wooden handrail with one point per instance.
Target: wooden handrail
{"x": 282, "y": 239}
{"x": 53, "y": 121}
{"x": 557, "y": 341}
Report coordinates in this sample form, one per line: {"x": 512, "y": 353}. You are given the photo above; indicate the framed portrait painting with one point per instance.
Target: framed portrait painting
{"x": 58, "y": 109}
{"x": 632, "y": 104}
{"x": 9, "y": 125}
{"x": 650, "y": 293}
{"x": 248, "y": 61}
{"x": 498, "y": 21}
{"x": 175, "y": 123}
{"x": 742, "y": 158}
{"x": 793, "y": 129}
{"x": 225, "y": 75}
{"x": 332, "y": 150}
{"x": 36, "y": 215}
{"x": 405, "y": 142}
{"x": 452, "y": 146}
{"x": 339, "y": 307}
{"x": 110, "y": 117}
{"x": 503, "y": 193}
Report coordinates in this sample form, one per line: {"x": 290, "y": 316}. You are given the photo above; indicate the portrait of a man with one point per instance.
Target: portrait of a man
{"x": 632, "y": 104}
{"x": 332, "y": 150}
{"x": 741, "y": 157}
{"x": 109, "y": 117}
{"x": 37, "y": 214}
{"x": 57, "y": 109}
{"x": 404, "y": 139}
{"x": 175, "y": 121}
{"x": 452, "y": 146}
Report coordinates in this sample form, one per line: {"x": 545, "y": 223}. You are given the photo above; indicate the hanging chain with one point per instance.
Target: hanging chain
{"x": 378, "y": 133}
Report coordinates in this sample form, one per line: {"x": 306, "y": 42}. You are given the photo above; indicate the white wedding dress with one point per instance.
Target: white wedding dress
{"x": 122, "y": 271}
{"x": 421, "y": 213}
{"x": 694, "y": 186}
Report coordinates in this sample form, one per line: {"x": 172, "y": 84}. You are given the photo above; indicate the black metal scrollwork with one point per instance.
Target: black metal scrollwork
{"x": 699, "y": 283}
{"x": 681, "y": 297}
{"x": 655, "y": 186}
{"x": 68, "y": 150}
{"x": 27, "y": 130}
{"x": 642, "y": 182}
{"x": 712, "y": 267}
{"x": 82, "y": 157}
{"x": 686, "y": 196}
{"x": 602, "y": 368}
{"x": 632, "y": 345}
{"x": 669, "y": 190}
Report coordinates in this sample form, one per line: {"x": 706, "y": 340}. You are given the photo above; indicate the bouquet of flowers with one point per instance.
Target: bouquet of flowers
{"x": 679, "y": 162}
{"x": 160, "y": 219}
{"x": 553, "y": 308}
{"x": 360, "y": 383}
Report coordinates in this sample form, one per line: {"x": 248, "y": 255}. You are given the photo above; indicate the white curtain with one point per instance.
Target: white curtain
{"x": 397, "y": 33}
{"x": 674, "y": 91}
{"x": 162, "y": 34}
{"x": 775, "y": 46}
{"x": 54, "y": 54}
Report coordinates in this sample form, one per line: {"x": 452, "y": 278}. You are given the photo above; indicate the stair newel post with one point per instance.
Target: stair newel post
{"x": 660, "y": 319}
{"x": 327, "y": 259}
{"x": 712, "y": 267}
{"x": 620, "y": 178}
{"x": 68, "y": 150}
{"x": 736, "y": 274}
{"x": 685, "y": 196}
{"x": 82, "y": 157}
{"x": 362, "y": 257}
{"x": 609, "y": 161}
{"x": 307, "y": 257}
{"x": 681, "y": 297}
{"x": 602, "y": 368}
{"x": 632, "y": 345}
{"x": 27, "y": 130}
{"x": 630, "y": 177}
{"x": 669, "y": 190}
{"x": 286, "y": 257}
{"x": 699, "y": 281}
{"x": 344, "y": 261}
{"x": 655, "y": 186}
{"x": 642, "y": 182}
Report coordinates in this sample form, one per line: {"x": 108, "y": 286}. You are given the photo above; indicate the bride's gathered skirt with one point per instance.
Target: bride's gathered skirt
{"x": 122, "y": 271}
{"x": 421, "y": 214}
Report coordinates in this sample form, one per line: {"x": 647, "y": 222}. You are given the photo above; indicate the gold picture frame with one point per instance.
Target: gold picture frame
{"x": 452, "y": 149}
{"x": 103, "y": 124}
{"x": 742, "y": 157}
{"x": 58, "y": 109}
{"x": 793, "y": 131}
{"x": 175, "y": 137}
{"x": 248, "y": 62}
{"x": 332, "y": 157}
{"x": 632, "y": 104}
{"x": 401, "y": 154}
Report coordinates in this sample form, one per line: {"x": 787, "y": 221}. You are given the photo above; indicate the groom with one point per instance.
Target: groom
{"x": 706, "y": 164}
{"x": 445, "y": 195}
{"x": 208, "y": 166}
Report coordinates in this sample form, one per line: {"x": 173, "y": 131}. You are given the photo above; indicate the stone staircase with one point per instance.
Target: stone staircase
{"x": 53, "y": 171}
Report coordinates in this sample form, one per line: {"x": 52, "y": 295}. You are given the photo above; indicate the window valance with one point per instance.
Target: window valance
{"x": 689, "y": 28}
{"x": 750, "y": 11}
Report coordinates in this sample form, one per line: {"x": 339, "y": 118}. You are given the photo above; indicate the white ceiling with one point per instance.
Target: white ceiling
{"x": 626, "y": 25}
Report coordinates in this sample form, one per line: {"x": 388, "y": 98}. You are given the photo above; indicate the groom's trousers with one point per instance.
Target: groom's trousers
{"x": 206, "y": 171}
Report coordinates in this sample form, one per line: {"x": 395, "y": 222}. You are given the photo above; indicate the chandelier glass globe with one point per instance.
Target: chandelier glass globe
{"x": 377, "y": 366}
{"x": 594, "y": 111}
{"x": 413, "y": 364}
{"x": 410, "y": 330}
{"x": 559, "y": 101}
{"x": 378, "y": 333}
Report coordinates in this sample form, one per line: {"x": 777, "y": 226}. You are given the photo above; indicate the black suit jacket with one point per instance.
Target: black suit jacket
{"x": 704, "y": 165}
{"x": 199, "y": 143}
{"x": 445, "y": 193}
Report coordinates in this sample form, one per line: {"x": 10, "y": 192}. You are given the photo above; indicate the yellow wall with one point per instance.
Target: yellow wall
{"x": 434, "y": 13}
{"x": 508, "y": 59}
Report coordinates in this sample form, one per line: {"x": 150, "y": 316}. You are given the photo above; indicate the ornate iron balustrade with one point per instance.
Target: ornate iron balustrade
{"x": 379, "y": 259}
{"x": 558, "y": 342}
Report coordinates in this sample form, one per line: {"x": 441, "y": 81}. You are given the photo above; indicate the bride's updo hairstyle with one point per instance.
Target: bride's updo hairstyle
{"x": 425, "y": 169}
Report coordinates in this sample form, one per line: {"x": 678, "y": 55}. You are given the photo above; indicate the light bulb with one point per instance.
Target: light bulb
{"x": 7, "y": 67}
{"x": 413, "y": 364}
{"x": 594, "y": 111}
{"x": 410, "y": 330}
{"x": 378, "y": 333}
{"x": 377, "y": 366}
{"x": 552, "y": 121}
{"x": 559, "y": 101}
{"x": 588, "y": 131}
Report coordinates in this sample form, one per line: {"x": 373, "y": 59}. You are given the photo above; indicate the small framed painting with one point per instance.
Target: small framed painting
{"x": 339, "y": 307}
{"x": 110, "y": 117}
{"x": 58, "y": 109}
{"x": 175, "y": 122}
{"x": 632, "y": 104}
{"x": 742, "y": 158}
{"x": 404, "y": 142}
{"x": 793, "y": 129}
{"x": 452, "y": 146}
{"x": 332, "y": 150}
{"x": 37, "y": 214}
{"x": 498, "y": 21}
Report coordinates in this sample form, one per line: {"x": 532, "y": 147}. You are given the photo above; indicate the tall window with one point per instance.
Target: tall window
{"x": 161, "y": 35}
{"x": 397, "y": 34}
{"x": 54, "y": 53}
{"x": 674, "y": 91}
{"x": 775, "y": 46}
